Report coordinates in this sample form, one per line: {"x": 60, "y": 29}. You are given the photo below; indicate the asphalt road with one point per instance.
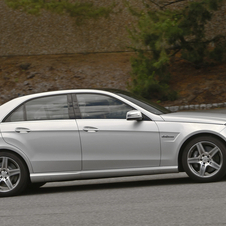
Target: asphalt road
{"x": 168, "y": 199}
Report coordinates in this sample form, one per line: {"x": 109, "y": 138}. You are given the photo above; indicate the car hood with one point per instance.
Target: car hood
{"x": 195, "y": 117}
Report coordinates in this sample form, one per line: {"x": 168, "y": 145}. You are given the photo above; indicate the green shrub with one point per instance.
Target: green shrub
{"x": 161, "y": 34}
{"x": 77, "y": 9}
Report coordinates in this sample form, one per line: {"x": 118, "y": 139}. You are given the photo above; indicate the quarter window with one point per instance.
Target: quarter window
{"x": 17, "y": 115}
{"x": 96, "y": 106}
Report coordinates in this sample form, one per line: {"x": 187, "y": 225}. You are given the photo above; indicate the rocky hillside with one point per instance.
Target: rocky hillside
{"x": 23, "y": 75}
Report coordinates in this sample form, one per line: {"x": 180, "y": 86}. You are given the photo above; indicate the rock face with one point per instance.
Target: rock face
{"x": 203, "y": 86}
{"x": 32, "y": 74}
{"x": 196, "y": 88}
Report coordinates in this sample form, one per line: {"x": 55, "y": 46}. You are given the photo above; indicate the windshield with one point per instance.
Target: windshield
{"x": 144, "y": 103}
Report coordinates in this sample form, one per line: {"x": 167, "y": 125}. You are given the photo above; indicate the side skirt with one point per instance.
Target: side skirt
{"x": 95, "y": 174}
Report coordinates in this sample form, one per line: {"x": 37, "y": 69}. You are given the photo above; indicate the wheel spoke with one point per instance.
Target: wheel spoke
{"x": 14, "y": 172}
{"x": 202, "y": 169}
{"x": 200, "y": 148}
{"x": 8, "y": 183}
{"x": 213, "y": 151}
{"x": 193, "y": 160}
{"x": 4, "y": 163}
{"x": 214, "y": 165}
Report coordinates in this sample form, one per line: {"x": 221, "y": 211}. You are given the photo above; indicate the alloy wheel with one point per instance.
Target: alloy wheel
{"x": 204, "y": 158}
{"x": 10, "y": 174}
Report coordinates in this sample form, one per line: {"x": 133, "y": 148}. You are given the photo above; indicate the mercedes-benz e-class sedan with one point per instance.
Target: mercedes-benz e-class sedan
{"x": 84, "y": 134}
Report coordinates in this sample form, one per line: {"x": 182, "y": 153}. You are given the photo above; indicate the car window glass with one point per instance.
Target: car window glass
{"x": 47, "y": 108}
{"x": 144, "y": 103}
{"x": 96, "y": 106}
{"x": 16, "y": 116}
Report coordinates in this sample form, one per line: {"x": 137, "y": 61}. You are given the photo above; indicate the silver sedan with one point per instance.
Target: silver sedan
{"x": 84, "y": 134}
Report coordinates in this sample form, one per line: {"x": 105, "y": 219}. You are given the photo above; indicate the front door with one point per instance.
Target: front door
{"x": 109, "y": 141}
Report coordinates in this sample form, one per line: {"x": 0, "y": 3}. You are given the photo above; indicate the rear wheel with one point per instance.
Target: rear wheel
{"x": 13, "y": 174}
{"x": 204, "y": 159}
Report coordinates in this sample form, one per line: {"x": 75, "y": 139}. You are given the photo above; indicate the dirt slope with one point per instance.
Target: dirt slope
{"x": 23, "y": 75}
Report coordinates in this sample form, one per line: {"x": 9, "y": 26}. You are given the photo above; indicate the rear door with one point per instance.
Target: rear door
{"x": 46, "y": 131}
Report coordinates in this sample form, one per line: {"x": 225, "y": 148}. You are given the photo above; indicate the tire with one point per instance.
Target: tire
{"x": 13, "y": 175}
{"x": 204, "y": 159}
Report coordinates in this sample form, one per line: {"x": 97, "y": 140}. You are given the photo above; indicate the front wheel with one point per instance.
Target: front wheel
{"x": 13, "y": 174}
{"x": 204, "y": 159}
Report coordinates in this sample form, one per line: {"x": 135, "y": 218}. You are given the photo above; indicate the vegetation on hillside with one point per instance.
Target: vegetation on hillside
{"x": 161, "y": 34}
{"x": 78, "y": 9}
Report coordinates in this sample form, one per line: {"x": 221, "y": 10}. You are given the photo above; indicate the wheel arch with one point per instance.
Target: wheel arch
{"x": 180, "y": 166}
{"x": 22, "y": 158}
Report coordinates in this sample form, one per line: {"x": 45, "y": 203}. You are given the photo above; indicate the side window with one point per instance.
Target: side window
{"x": 45, "y": 108}
{"x": 97, "y": 106}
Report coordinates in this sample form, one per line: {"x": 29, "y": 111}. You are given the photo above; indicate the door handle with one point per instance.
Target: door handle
{"x": 22, "y": 130}
{"x": 90, "y": 129}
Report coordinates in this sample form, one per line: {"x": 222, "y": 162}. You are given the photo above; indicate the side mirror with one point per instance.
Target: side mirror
{"x": 134, "y": 115}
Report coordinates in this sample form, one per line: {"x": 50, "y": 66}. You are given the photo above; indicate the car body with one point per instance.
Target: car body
{"x": 88, "y": 133}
